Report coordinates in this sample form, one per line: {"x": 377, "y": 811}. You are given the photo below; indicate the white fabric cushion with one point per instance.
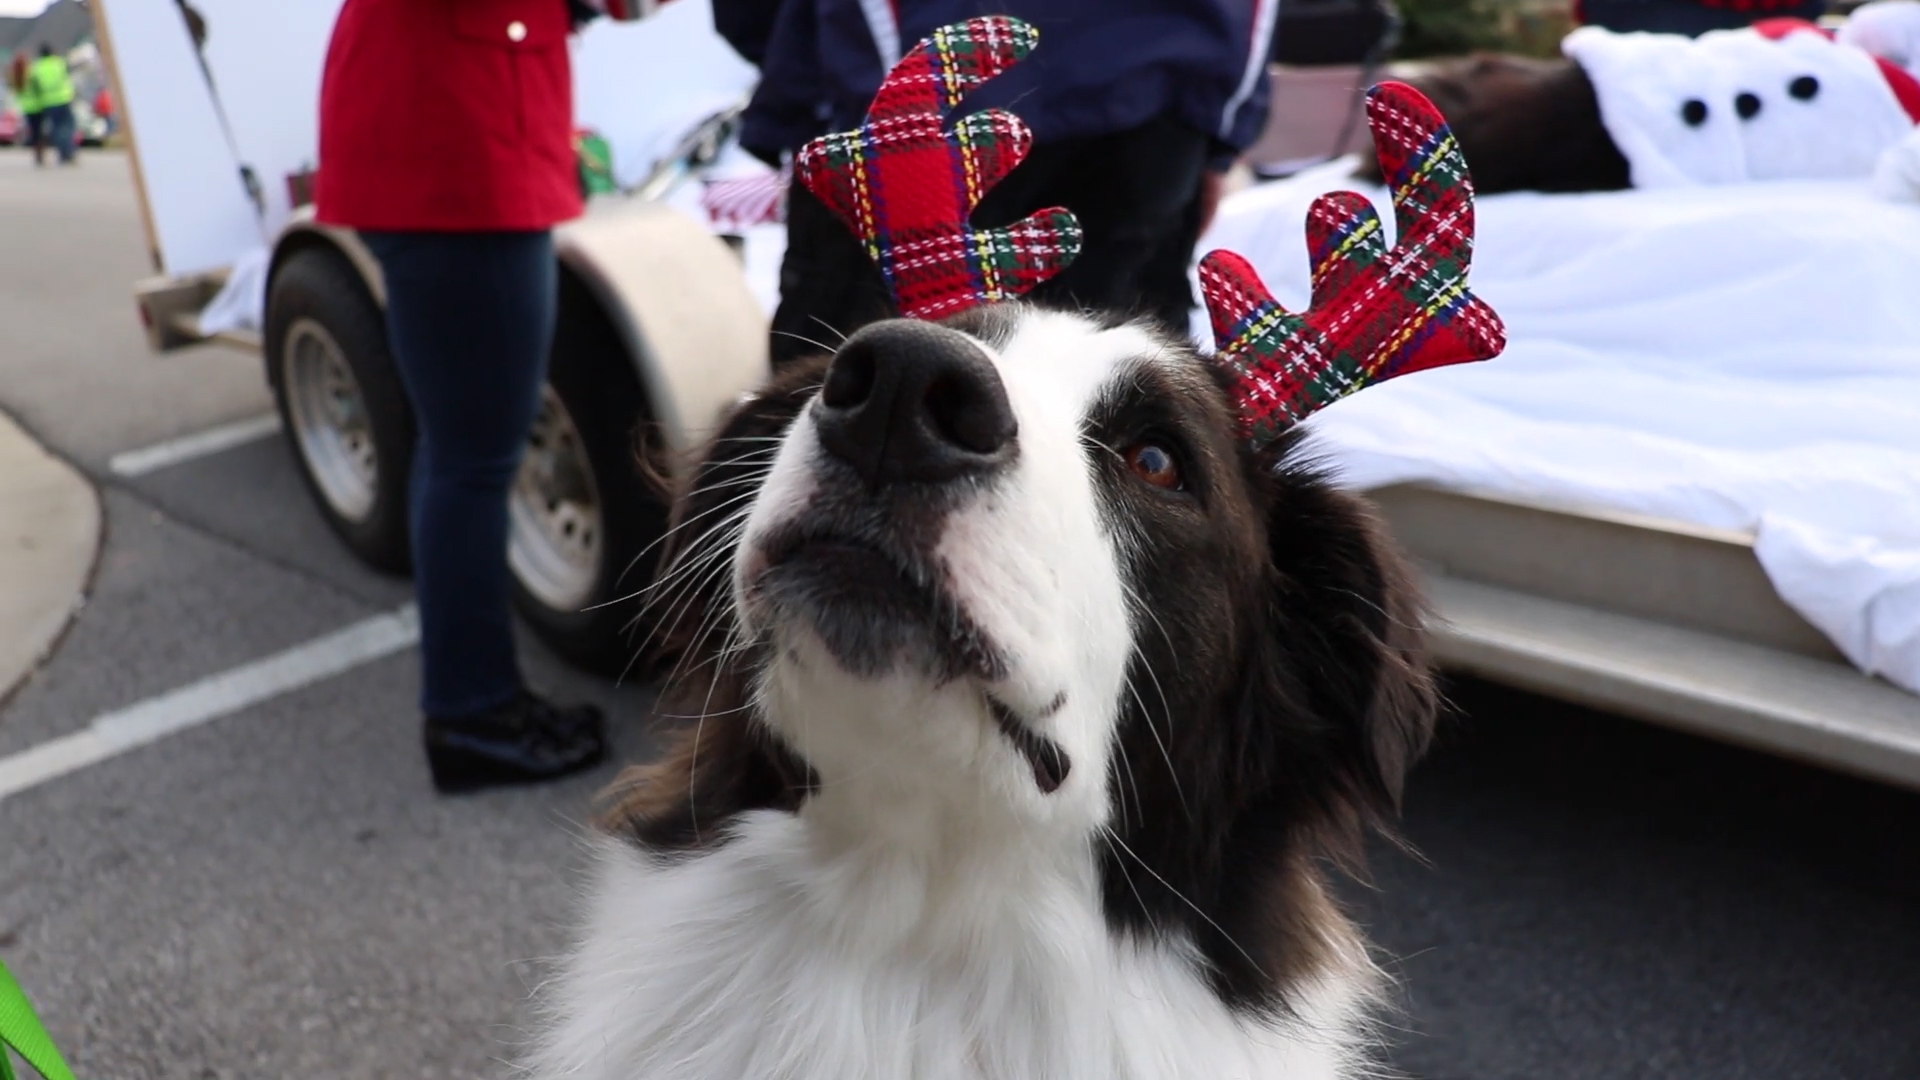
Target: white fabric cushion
{"x": 1838, "y": 132}
{"x": 1645, "y": 82}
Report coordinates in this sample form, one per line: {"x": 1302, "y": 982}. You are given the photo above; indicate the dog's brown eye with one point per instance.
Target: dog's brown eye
{"x": 1151, "y": 462}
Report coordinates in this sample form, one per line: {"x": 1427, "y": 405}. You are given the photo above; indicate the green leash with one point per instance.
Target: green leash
{"x": 20, "y": 1031}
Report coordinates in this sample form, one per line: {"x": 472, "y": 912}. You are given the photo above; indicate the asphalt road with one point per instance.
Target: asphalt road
{"x": 279, "y": 894}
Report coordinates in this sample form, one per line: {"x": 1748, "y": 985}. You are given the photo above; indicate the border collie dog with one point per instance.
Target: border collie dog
{"x": 1026, "y": 707}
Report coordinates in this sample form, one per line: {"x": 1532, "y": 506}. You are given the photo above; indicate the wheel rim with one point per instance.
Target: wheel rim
{"x": 330, "y": 420}
{"x": 558, "y": 525}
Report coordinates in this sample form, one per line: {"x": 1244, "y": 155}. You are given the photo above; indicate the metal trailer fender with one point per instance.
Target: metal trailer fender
{"x": 694, "y": 334}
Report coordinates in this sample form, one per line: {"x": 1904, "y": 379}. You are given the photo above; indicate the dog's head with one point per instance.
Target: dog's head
{"x": 1020, "y": 572}
{"x": 1527, "y": 124}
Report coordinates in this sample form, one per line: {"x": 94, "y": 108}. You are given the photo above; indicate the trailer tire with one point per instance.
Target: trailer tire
{"x": 582, "y": 471}
{"x": 341, "y": 402}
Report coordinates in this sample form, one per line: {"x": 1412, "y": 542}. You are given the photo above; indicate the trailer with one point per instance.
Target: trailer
{"x": 657, "y": 333}
{"x": 1646, "y": 615}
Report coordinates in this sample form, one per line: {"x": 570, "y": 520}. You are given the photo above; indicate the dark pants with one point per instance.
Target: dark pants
{"x": 470, "y": 319}
{"x": 36, "y": 129}
{"x": 1136, "y": 193}
{"x": 56, "y": 126}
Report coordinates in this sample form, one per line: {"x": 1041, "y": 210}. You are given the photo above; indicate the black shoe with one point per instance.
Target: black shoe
{"x": 525, "y": 741}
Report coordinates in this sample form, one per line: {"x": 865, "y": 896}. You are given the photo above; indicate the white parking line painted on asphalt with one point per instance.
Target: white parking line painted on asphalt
{"x": 197, "y": 445}
{"x": 222, "y": 694}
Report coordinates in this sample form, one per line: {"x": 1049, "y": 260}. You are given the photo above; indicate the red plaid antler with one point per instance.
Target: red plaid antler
{"x": 906, "y": 185}
{"x": 1376, "y": 313}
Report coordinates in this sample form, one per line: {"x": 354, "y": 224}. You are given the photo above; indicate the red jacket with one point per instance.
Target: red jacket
{"x": 448, "y": 115}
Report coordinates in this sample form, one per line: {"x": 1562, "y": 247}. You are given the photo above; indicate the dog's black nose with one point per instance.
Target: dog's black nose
{"x": 914, "y": 402}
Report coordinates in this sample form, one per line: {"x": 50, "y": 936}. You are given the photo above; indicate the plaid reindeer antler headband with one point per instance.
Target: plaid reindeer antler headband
{"x": 905, "y": 185}
{"x": 1376, "y": 312}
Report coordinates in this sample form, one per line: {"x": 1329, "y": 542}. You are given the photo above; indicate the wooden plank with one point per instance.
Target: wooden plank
{"x": 103, "y": 33}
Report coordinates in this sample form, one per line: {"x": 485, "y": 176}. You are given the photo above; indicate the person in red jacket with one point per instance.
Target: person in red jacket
{"x": 446, "y": 133}
{"x": 103, "y": 108}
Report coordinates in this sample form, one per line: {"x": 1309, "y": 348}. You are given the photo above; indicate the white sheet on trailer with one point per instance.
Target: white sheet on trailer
{"x": 1743, "y": 357}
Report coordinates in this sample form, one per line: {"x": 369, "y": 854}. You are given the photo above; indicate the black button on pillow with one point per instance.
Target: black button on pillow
{"x": 1804, "y": 87}
{"x": 1747, "y": 105}
{"x": 1694, "y": 112}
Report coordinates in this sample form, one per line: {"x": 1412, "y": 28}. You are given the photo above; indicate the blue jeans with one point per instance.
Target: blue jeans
{"x": 58, "y": 129}
{"x": 470, "y": 320}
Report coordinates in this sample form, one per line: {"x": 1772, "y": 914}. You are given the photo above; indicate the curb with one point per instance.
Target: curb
{"x": 49, "y": 538}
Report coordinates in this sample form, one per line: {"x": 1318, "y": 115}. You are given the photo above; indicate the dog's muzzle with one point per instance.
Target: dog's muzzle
{"x": 911, "y": 421}
{"x": 909, "y": 402}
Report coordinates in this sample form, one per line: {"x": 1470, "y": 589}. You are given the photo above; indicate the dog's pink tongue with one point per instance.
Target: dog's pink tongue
{"x": 1049, "y": 762}
{"x": 1050, "y": 766}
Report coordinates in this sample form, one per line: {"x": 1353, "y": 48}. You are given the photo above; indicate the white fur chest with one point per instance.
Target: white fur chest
{"x": 764, "y": 959}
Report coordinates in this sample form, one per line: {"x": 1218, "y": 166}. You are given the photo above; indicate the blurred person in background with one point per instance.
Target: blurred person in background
{"x": 50, "y": 86}
{"x": 1137, "y": 107}
{"x": 28, "y": 104}
{"x": 103, "y": 108}
{"x": 459, "y": 209}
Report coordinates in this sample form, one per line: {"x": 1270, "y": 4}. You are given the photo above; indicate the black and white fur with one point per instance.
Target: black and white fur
{"x": 1031, "y": 771}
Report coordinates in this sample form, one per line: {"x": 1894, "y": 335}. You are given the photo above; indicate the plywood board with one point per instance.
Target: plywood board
{"x": 250, "y": 98}
{"x": 198, "y": 207}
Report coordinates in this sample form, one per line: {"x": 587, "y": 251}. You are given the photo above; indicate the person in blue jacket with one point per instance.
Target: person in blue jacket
{"x": 1137, "y": 108}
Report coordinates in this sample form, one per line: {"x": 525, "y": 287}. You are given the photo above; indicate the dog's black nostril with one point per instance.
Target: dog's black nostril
{"x": 1747, "y": 105}
{"x": 849, "y": 380}
{"x": 964, "y": 412}
{"x": 911, "y": 401}
{"x": 1804, "y": 88}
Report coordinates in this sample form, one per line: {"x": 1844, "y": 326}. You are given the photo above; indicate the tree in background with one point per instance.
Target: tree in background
{"x": 1456, "y": 27}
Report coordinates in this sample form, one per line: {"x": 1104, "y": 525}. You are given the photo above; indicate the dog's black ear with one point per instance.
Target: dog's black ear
{"x": 719, "y": 761}
{"x": 1346, "y": 661}
{"x": 1326, "y": 704}
{"x": 710, "y": 773}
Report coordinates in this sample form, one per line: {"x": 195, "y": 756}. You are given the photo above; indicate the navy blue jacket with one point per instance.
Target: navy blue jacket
{"x": 1102, "y": 66}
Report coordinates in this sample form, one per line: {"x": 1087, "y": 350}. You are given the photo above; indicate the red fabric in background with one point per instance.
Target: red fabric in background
{"x": 1906, "y": 89}
{"x": 448, "y": 115}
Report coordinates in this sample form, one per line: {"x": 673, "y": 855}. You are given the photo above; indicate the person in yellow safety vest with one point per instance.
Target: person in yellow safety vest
{"x": 51, "y": 86}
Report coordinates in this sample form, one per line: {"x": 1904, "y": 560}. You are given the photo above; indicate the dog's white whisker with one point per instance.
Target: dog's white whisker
{"x": 821, "y": 345}
{"x": 684, "y": 579}
{"x": 679, "y": 591}
{"x": 663, "y": 538}
{"x": 1173, "y": 772}
{"x": 1166, "y": 709}
{"x": 702, "y": 713}
{"x": 683, "y": 582}
{"x": 701, "y": 576}
{"x": 678, "y": 571}
{"x": 718, "y": 568}
{"x": 1139, "y": 805}
{"x": 829, "y": 327}
{"x": 1114, "y": 838}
